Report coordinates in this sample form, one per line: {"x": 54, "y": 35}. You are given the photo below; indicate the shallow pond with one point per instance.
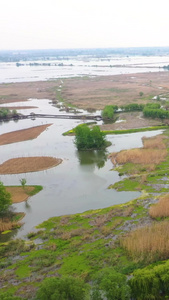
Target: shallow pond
{"x": 80, "y": 183}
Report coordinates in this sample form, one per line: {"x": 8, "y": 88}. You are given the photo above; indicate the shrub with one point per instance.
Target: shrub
{"x": 65, "y": 288}
{"x": 9, "y": 296}
{"x": 110, "y": 285}
{"x": 151, "y": 282}
{"x": 5, "y": 199}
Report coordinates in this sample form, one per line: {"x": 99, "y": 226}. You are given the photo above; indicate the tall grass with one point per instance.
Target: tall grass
{"x": 139, "y": 156}
{"x": 156, "y": 142}
{"x": 8, "y": 225}
{"x": 149, "y": 243}
{"x": 160, "y": 209}
{"x": 153, "y": 152}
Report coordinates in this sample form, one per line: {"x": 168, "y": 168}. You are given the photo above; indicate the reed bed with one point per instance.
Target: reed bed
{"x": 148, "y": 243}
{"x": 160, "y": 209}
{"x": 139, "y": 156}
{"x": 153, "y": 152}
{"x": 156, "y": 142}
{"x": 8, "y": 225}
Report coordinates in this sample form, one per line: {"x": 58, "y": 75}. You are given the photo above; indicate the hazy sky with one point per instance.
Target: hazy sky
{"x": 35, "y": 24}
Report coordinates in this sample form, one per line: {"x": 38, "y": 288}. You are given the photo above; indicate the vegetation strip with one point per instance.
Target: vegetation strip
{"x": 106, "y": 132}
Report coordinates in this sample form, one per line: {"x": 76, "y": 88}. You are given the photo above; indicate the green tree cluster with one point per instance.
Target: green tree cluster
{"x": 5, "y": 113}
{"x": 87, "y": 139}
{"x": 156, "y": 113}
{"x": 5, "y": 199}
{"x": 108, "y": 112}
{"x": 132, "y": 107}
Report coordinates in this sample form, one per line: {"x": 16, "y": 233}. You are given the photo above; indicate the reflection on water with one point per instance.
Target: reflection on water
{"x": 94, "y": 157}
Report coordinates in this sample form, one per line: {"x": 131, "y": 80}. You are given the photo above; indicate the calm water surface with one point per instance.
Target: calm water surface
{"x": 78, "y": 184}
{"x": 81, "y": 66}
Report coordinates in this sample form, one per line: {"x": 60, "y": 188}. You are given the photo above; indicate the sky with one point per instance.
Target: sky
{"x": 59, "y": 24}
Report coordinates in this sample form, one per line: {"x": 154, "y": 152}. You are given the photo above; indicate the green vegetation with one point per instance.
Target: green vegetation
{"x": 151, "y": 282}
{"x": 65, "y": 288}
{"x": 5, "y": 113}
{"x": 132, "y": 107}
{"x": 5, "y": 200}
{"x": 23, "y": 182}
{"x": 110, "y": 285}
{"x": 108, "y": 112}
{"x": 9, "y": 296}
{"x": 87, "y": 139}
{"x": 37, "y": 189}
{"x": 160, "y": 127}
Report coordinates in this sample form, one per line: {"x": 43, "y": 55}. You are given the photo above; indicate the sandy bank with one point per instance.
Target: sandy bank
{"x": 22, "y": 135}
{"x": 28, "y": 164}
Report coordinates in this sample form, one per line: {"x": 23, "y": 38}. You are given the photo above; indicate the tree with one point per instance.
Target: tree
{"x": 108, "y": 111}
{"x": 5, "y": 199}
{"x": 110, "y": 285}
{"x": 65, "y": 288}
{"x": 23, "y": 182}
{"x": 87, "y": 139}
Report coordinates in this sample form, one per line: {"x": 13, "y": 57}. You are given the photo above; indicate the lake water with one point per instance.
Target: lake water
{"x": 80, "y": 183}
{"x": 81, "y": 66}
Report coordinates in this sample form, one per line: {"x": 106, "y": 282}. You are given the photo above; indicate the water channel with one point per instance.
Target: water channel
{"x": 80, "y": 183}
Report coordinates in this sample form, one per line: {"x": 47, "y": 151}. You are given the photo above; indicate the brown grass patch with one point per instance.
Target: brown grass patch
{"x": 149, "y": 243}
{"x": 153, "y": 152}
{"x": 160, "y": 209}
{"x": 21, "y": 91}
{"x": 118, "y": 89}
{"x": 7, "y": 224}
{"x": 139, "y": 156}
{"x": 28, "y": 164}
{"x": 156, "y": 142}
{"x": 18, "y": 194}
{"x": 22, "y": 135}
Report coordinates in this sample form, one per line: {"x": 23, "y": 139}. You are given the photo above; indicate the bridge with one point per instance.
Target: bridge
{"x": 78, "y": 117}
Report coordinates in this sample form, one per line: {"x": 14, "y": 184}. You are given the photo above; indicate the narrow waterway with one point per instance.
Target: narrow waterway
{"x": 80, "y": 183}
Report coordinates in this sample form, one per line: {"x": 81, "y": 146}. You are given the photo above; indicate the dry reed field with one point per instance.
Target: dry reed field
{"x": 22, "y": 135}
{"x": 149, "y": 243}
{"x": 160, "y": 209}
{"x": 7, "y": 224}
{"x": 157, "y": 142}
{"x": 118, "y": 89}
{"x": 22, "y": 91}
{"x": 28, "y": 164}
{"x": 153, "y": 152}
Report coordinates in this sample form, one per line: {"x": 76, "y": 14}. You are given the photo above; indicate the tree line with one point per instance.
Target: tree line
{"x": 5, "y": 113}
{"x": 150, "y": 110}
